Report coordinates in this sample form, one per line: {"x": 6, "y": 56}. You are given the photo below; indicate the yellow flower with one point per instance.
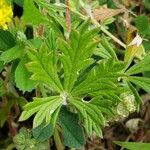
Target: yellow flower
{"x": 6, "y": 14}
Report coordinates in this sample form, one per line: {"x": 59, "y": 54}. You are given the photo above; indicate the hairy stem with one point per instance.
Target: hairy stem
{"x": 40, "y": 30}
{"x": 12, "y": 129}
{"x": 68, "y": 17}
{"x": 98, "y": 25}
{"x": 113, "y": 37}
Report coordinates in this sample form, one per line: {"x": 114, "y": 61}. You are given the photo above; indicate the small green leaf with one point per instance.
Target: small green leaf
{"x": 12, "y": 54}
{"x": 43, "y": 132}
{"x": 72, "y": 131}
{"x": 133, "y": 145}
{"x": 6, "y": 39}
{"x": 22, "y": 77}
{"x": 31, "y": 13}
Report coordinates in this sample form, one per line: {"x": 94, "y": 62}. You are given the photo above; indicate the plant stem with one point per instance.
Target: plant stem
{"x": 57, "y": 139}
{"x": 12, "y": 129}
{"x": 40, "y": 30}
{"x": 108, "y": 33}
{"x": 68, "y": 17}
{"x": 98, "y": 25}
{"x": 113, "y": 37}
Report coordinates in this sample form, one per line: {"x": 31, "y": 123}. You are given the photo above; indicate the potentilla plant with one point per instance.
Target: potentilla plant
{"x": 80, "y": 82}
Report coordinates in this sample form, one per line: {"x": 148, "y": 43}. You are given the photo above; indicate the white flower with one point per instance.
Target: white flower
{"x": 136, "y": 41}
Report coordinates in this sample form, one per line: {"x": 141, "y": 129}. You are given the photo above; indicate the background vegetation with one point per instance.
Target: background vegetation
{"x": 74, "y": 74}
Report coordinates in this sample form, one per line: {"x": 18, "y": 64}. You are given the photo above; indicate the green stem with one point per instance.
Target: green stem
{"x": 58, "y": 142}
{"x": 108, "y": 33}
{"x": 99, "y": 25}
{"x": 113, "y": 37}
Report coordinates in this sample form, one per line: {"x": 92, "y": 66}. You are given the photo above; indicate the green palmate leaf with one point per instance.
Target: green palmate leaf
{"x": 92, "y": 116}
{"x": 142, "y": 82}
{"x": 72, "y": 131}
{"x": 12, "y": 54}
{"x": 22, "y": 76}
{"x": 43, "y": 69}
{"x": 69, "y": 69}
{"x": 143, "y": 65}
{"x": 6, "y": 40}
{"x": 101, "y": 78}
{"x": 43, "y": 132}
{"x": 44, "y": 109}
{"x": 133, "y": 145}
{"x": 31, "y": 13}
{"x": 76, "y": 55}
